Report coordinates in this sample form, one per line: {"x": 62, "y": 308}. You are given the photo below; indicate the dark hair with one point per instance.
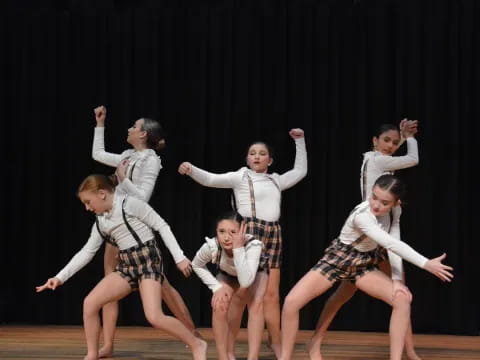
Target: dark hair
{"x": 269, "y": 148}
{"x": 155, "y": 136}
{"x": 393, "y": 184}
{"x": 229, "y": 215}
{"x": 384, "y": 128}
{"x": 96, "y": 182}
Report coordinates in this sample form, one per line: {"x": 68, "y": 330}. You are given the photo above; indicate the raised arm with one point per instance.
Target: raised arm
{"x": 391, "y": 163}
{"x": 199, "y": 265}
{"x": 98, "y": 149}
{"x": 299, "y": 170}
{"x": 205, "y": 178}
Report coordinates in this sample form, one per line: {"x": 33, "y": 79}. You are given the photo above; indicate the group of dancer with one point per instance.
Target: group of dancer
{"x": 247, "y": 248}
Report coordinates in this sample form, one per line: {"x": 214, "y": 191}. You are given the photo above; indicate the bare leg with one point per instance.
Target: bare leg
{"x": 150, "y": 292}
{"x": 110, "y": 310}
{"x": 378, "y": 285}
{"x": 220, "y": 331}
{"x": 271, "y": 310}
{"x": 176, "y": 305}
{"x": 343, "y": 293}
{"x": 310, "y": 286}
{"x": 235, "y": 313}
{"x": 110, "y": 288}
{"x": 409, "y": 344}
{"x": 256, "y": 321}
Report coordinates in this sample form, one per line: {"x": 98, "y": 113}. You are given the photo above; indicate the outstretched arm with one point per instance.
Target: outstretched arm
{"x": 368, "y": 226}
{"x": 299, "y": 170}
{"x": 205, "y": 178}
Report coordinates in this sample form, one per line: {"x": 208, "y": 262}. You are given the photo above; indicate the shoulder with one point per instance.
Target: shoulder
{"x": 210, "y": 247}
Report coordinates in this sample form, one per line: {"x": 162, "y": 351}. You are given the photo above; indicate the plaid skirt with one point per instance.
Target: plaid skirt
{"x": 270, "y": 234}
{"x": 344, "y": 262}
{"x": 140, "y": 262}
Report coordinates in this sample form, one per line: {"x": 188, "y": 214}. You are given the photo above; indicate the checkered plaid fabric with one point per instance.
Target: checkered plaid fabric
{"x": 140, "y": 262}
{"x": 344, "y": 262}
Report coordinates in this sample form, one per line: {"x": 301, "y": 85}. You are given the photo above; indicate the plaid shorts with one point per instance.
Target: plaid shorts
{"x": 270, "y": 234}
{"x": 344, "y": 262}
{"x": 140, "y": 262}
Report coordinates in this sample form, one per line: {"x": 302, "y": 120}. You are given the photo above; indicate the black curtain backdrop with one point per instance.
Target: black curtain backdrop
{"x": 219, "y": 75}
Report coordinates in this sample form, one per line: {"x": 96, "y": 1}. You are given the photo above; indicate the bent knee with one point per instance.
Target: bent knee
{"x": 90, "y": 306}
{"x": 271, "y": 296}
{"x": 401, "y": 299}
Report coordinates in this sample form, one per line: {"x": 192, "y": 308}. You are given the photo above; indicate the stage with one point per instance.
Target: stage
{"x": 67, "y": 342}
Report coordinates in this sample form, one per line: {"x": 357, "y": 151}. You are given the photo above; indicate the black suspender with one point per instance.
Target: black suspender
{"x": 132, "y": 232}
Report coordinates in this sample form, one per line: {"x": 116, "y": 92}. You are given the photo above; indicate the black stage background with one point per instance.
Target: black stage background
{"x": 218, "y": 75}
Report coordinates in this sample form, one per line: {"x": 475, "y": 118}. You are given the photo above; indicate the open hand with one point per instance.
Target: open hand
{"x": 442, "y": 271}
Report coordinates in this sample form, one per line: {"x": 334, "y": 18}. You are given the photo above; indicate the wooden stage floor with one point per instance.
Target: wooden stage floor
{"x": 67, "y": 342}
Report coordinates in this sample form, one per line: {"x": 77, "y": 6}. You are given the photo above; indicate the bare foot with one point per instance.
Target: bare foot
{"x": 90, "y": 357}
{"x": 231, "y": 356}
{"x": 412, "y": 355}
{"x": 105, "y": 351}
{"x": 277, "y": 349}
{"x": 199, "y": 351}
{"x": 313, "y": 351}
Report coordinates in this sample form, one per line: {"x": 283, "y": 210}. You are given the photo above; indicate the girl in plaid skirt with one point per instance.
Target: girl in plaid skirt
{"x": 354, "y": 256}
{"x": 387, "y": 140}
{"x": 136, "y": 172}
{"x": 258, "y": 199}
{"x": 240, "y": 268}
{"x": 127, "y": 222}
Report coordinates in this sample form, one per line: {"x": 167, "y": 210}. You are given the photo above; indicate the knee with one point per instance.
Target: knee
{"x": 220, "y": 313}
{"x": 155, "y": 319}
{"x": 271, "y": 296}
{"x": 290, "y": 305}
{"x": 256, "y": 307}
{"x": 90, "y": 307}
{"x": 401, "y": 300}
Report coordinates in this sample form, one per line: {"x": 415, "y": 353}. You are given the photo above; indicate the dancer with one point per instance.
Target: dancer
{"x": 239, "y": 268}
{"x": 354, "y": 256}
{"x": 128, "y": 222}
{"x": 386, "y": 141}
{"x": 257, "y": 198}
{"x": 136, "y": 173}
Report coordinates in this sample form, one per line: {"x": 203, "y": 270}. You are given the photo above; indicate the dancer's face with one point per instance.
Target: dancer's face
{"x": 95, "y": 201}
{"x": 387, "y": 143}
{"x": 382, "y": 201}
{"x": 225, "y": 231}
{"x": 136, "y": 134}
{"x": 258, "y": 158}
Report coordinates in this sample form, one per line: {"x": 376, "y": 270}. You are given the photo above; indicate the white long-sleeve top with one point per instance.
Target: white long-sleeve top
{"x": 243, "y": 264}
{"x": 145, "y": 164}
{"x": 140, "y": 216}
{"x": 361, "y": 222}
{"x": 376, "y": 164}
{"x": 267, "y": 187}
